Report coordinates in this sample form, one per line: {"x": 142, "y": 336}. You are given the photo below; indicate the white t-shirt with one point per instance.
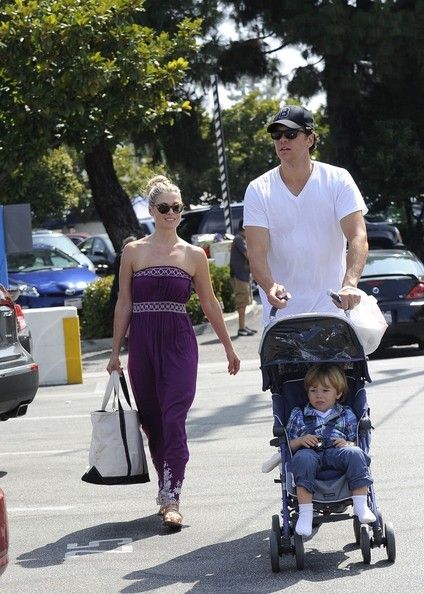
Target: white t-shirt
{"x": 307, "y": 246}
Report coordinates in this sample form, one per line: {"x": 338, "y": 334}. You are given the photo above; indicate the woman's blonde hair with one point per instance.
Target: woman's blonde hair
{"x": 327, "y": 375}
{"x": 160, "y": 185}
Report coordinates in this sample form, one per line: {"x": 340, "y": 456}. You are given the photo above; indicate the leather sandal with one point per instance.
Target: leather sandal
{"x": 172, "y": 517}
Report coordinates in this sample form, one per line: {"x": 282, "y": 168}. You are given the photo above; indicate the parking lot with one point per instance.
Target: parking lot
{"x": 68, "y": 536}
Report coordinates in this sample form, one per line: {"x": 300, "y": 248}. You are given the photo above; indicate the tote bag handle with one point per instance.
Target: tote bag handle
{"x": 115, "y": 382}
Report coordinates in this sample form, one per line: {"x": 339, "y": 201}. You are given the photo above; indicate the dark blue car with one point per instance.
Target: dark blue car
{"x": 47, "y": 277}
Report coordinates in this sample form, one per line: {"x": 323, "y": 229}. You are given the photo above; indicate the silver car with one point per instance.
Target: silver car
{"x": 18, "y": 372}
{"x": 62, "y": 242}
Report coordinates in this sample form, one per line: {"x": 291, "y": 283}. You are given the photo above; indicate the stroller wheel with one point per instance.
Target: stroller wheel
{"x": 299, "y": 551}
{"x": 274, "y": 551}
{"x": 357, "y": 529}
{"x": 365, "y": 544}
{"x": 390, "y": 541}
{"x": 276, "y": 526}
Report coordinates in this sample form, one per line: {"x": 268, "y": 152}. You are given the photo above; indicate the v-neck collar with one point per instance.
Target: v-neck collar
{"x": 296, "y": 196}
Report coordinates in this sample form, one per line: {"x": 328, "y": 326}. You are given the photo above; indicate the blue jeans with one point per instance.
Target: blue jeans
{"x": 351, "y": 461}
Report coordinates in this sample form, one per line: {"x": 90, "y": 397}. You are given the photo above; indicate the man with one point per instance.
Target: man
{"x": 240, "y": 277}
{"x": 298, "y": 218}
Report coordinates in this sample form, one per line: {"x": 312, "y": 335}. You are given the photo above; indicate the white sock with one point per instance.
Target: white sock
{"x": 304, "y": 522}
{"x": 361, "y": 509}
{"x": 272, "y": 462}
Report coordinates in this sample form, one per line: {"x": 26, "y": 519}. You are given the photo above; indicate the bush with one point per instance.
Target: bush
{"x": 97, "y": 315}
{"x": 221, "y": 282}
{"x": 195, "y": 311}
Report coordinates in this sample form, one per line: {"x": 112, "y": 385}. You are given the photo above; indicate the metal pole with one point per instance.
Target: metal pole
{"x": 3, "y": 258}
{"x": 222, "y": 161}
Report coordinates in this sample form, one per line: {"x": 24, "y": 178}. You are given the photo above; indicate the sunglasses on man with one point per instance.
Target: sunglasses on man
{"x": 164, "y": 208}
{"x": 289, "y": 134}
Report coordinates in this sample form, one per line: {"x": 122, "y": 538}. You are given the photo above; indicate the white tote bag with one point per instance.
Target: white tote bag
{"x": 116, "y": 453}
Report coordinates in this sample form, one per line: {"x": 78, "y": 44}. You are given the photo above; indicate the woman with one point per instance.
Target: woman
{"x": 155, "y": 282}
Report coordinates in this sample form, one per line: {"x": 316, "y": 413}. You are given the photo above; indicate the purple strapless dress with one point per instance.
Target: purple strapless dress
{"x": 162, "y": 366}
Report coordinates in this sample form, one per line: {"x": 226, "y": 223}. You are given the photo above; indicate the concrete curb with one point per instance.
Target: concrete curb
{"x": 103, "y": 344}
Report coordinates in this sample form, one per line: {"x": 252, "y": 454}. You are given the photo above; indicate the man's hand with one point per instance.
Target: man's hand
{"x": 277, "y": 296}
{"x": 349, "y": 298}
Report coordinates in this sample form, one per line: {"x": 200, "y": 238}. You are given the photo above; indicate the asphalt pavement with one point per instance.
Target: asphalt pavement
{"x": 69, "y": 537}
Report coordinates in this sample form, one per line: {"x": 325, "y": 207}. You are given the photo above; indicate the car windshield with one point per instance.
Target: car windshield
{"x": 41, "y": 259}
{"x": 59, "y": 241}
{"x": 379, "y": 264}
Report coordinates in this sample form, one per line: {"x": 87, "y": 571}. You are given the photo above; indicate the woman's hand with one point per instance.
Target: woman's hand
{"x": 233, "y": 362}
{"x": 114, "y": 364}
{"x": 339, "y": 442}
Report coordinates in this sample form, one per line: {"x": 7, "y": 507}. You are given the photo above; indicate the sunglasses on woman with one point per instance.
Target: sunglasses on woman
{"x": 164, "y": 208}
{"x": 289, "y": 134}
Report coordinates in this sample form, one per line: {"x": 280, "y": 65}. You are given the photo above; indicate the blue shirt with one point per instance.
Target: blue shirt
{"x": 343, "y": 419}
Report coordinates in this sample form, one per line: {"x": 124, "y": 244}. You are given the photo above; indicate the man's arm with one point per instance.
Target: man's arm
{"x": 354, "y": 229}
{"x": 257, "y": 239}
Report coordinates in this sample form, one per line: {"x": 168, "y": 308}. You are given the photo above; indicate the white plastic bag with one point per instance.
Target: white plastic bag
{"x": 368, "y": 322}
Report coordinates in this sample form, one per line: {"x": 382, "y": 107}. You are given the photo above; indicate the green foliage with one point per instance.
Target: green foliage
{"x": 221, "y": 282}
{"x": 81, "y": 71}
{"x": 51, "y": 185}
{"x": 133, "y": 172}
{"x": 195, "y": 311}
{"x": 97, "y": 316}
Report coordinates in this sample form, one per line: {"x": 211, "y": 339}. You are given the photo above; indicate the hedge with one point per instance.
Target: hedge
{"x": 97, "y": 315}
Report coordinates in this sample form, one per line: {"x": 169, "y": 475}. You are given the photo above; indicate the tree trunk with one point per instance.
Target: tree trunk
{"x": 112, "y": 203}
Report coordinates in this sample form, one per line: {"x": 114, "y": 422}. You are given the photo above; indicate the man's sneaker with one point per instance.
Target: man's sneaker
{"x": 251, "y": 329}
{"x": 245, "y": 332}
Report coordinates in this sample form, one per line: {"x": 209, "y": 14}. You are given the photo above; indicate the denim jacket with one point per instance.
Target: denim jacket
{"x": 341, "y": 422}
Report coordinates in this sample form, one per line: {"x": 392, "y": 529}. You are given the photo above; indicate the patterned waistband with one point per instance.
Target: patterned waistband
{"x": 172, "y": 306}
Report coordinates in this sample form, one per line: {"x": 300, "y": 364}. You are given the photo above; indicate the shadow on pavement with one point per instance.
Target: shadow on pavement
{"x": 243, "y": 565}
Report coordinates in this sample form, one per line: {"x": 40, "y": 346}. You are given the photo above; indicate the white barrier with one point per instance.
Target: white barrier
{"x": 56, "y": 344}
{"x": 220, "y": 251}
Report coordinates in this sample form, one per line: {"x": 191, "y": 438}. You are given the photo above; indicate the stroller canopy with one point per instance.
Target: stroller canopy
{"x": 310, "y": 338}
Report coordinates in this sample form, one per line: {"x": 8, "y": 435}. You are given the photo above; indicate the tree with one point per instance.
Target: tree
{"x": 367, "y": 55}
{"x": 87, "y": 73}
{"x": 51, "y": 186}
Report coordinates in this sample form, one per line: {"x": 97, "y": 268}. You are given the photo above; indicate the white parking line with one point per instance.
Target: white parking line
{"x": 32, "y": 452}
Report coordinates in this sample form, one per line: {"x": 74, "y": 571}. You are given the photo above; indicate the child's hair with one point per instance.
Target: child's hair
{"x": 159, "y": 185}
{"x": 327, "y": 374}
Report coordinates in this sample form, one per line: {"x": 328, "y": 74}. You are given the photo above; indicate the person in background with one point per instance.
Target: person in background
{"x": 156, "y": 278}
{"x": 241, "y": 279}
{"x": 299, "y": 217}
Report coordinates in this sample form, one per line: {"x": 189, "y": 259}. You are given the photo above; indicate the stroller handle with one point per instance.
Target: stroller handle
{"x": 273, "y": 312}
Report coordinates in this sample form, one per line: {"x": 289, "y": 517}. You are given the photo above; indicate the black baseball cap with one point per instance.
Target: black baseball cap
{"x": 294, "y": 117}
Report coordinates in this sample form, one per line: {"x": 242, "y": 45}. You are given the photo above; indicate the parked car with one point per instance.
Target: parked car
{"x": 47, "y": 277}
{"x": 76, "y": 238}
{"x": 24, "y": 332}
{"x": 201, "y": 220}
{"x": 396, "y": 279}
{"x": 60, "y": 241}
{"x": 18, "y": 372}
{"x": 382, "y": 234}
{"x": 4, "y": 534}
{"x": 101, "y": 252}
{"x": 147, "y": 225}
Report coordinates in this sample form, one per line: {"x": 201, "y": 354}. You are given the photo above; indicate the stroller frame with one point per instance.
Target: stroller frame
{"x": 288, "y": 347}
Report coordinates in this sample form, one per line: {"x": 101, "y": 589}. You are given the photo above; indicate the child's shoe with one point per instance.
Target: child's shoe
{"x": 272, "y": 462}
